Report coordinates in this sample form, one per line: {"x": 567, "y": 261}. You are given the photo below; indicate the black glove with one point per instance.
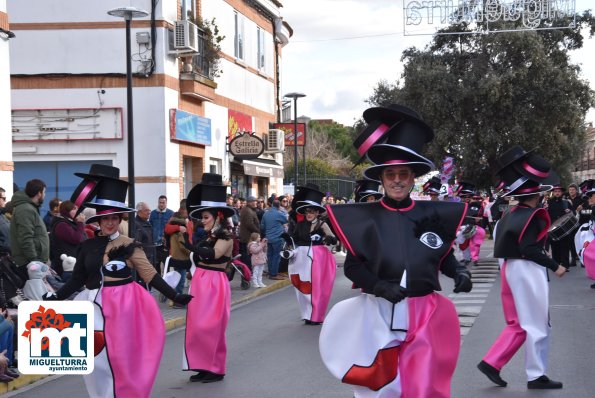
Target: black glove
{"x": 462, "y": 280}
{"x": 182, "y": 298}
{"x": 330, "y": 240}
{"x": 158, "y": 283}
{"x": 393, "y": 292}
{"x": 50, "y": 296}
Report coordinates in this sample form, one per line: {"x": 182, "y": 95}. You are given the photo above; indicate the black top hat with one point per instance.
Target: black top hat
{"x": 300, "y": 193}
{"x": 209, "y": 194}
{"x": 587, "y": 188}
{"x": 403, "y": 142}
{"x": 364, "y": 189}
{"x": 510, "y": 156}
{"x": 432, "y": 186}
{"x": 533, "y": 167}
{"x": 99, "y": 171}
{"x": 87, "y": 189}
{"x": 111, "y": 199}
{"x": 373, "y": 133}
{"x": 465, "y": 188}
{"x": 395, "y": 113}
{"x": 310, "y": 198}
{"x": 524, "y": 173}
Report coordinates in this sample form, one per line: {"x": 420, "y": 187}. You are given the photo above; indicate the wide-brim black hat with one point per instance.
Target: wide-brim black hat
{"x": 87, "y": 189}
{"x": 306, "y": 204}
{"x": 301, "y": 192}
{"x": 406, "y": 136}
{"x": 432, "y": 186}
{"x": 587, "y": 188}
{"x": 465, "y": 188}
{"x": 395, "y": 113}
{"x": 419, "y": 166}
{"x": 510, "y": 156}
{"x": 365, "y": 189}
{"x": 309, "y": 197}
{"x": 374, "y": 133}
{"x": 533, "y": 167}
{"x": 208, "y": 195}
{"x": 100, "y": 171}
{"x": 528, "y": 188}
{"x": 111, "y": 199}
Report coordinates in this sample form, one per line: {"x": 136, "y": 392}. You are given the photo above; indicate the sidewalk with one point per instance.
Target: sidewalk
{"x": 175, "y": 318}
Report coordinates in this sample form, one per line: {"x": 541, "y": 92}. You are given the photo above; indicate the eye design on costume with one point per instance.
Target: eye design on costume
{"x": 115, "y": 265}
{"x": 431, "y": 240}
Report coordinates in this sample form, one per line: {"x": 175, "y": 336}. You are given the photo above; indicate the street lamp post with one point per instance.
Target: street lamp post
{"x": 128, "y": 13}
{"x": 295, "y": 96}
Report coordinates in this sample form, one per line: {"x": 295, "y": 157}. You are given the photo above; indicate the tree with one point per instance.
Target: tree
{"x": 330, "y": 143}
{"x": 483, "y": 93}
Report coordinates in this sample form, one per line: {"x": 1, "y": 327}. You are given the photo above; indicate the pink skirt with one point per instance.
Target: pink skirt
{"x": 312, "y": 270}
{"x": 207, "y": 316}
{"x": 134, "y": 338}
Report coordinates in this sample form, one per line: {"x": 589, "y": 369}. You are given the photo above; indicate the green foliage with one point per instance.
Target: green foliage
{"x": 212, "y": 49}
{"x": 484, "y": 93}
{"x": 340, "y": 135}
{"x": 314, "y": 167}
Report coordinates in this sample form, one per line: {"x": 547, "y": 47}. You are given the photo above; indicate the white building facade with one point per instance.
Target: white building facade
{"x": 6, "y": 164}
{"x": 69, "y": 93}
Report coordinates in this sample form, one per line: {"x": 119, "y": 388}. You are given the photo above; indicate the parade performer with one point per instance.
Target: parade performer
{"x": 367, "y": 191}
{"x": 207, "y": 316}
{"x": 471, "y": 235}
{"x": 129, "y": 327}
{"x": 519, "y": 245}
{"x": 312, "y": 267}
{"x": 586, "y": 233}
{"x": 399, "y": 337}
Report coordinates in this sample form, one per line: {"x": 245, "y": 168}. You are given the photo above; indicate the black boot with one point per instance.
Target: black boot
{"x": 212, "y": 377}
{"x": 198, "y": 377}
{"x": 492, "y": 373}
{"x": 543, "y": 383}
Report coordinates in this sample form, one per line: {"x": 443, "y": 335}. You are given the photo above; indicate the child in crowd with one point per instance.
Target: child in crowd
{"x": 258, "y": 249}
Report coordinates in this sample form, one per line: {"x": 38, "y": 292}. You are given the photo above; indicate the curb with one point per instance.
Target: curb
{"x": 170, "y": 324}
{"x": 21, "y": 382}
{"x": 174, "y": 323}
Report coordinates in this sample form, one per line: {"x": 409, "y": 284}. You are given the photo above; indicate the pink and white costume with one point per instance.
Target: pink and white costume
{"x": 207, "y": 316}
{"x": 312, "y": 270}
{"x": 585, "y": 249}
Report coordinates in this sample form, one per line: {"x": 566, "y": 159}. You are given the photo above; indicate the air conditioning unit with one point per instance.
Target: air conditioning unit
{"x": 185, "y": 37}
{"x": 275, "y": 141}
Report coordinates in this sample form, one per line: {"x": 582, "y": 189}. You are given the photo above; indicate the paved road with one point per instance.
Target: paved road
{"x": 273, "y": 354}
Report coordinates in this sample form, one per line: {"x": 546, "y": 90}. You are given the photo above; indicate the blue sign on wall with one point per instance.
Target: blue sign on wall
{"x": 188, "y": 127}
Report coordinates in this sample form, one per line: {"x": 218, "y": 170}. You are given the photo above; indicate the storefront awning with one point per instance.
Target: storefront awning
{"x": 263, "y": 168}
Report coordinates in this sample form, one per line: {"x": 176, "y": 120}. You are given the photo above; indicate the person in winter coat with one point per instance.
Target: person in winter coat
{"x": 29, "y": 239}
{"x": 258, "y": 249}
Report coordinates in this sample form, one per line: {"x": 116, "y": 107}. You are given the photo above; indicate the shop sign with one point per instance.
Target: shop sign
{"x": 237, "y": 122}
{"x": 246, "y": 146}
{"x": 187, "y": 127}
{"x": 289, "y": 135}
{"x": 251, "y": 169}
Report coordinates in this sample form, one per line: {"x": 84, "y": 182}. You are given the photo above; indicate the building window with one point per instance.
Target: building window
{"x": 215, "y": 166}
{"x": 189, "y": 6}
{"x": 261, "y": 46}
{"x": 239, "y": 36}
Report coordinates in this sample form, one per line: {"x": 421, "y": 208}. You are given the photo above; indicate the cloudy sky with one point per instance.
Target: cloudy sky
{"x": 341, "y": 49}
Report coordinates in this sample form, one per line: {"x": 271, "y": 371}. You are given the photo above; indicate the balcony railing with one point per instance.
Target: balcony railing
{"x": 200, "y": 64}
